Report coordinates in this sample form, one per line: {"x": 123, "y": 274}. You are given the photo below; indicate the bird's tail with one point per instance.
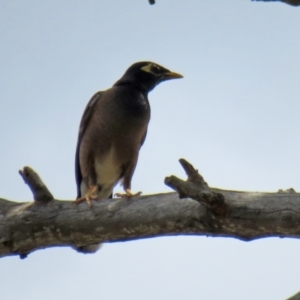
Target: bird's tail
{"x": 88, "y": 249}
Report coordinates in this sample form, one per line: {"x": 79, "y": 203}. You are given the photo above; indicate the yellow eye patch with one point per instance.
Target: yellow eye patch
{"x": 151, "y": 68}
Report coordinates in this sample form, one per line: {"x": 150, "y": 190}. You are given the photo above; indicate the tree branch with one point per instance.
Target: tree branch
{"x": 26, "y": 227}
{"x": 291, "y": 2}
{"x": 294, "y": 297}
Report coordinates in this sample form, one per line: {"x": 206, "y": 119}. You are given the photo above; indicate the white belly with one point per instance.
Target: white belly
{"x": 108, "y": 173}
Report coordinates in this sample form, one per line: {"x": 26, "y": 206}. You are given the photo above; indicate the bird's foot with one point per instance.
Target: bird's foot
{"x": 128, "y": 194}
{"x": 88, "y": 197}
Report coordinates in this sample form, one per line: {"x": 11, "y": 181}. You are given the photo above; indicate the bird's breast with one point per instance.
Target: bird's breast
{"x": 132, "y": 102}
{"x": 127, "y": 113}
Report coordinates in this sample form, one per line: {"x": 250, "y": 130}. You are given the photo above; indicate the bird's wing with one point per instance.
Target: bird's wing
{"x": 83, "y": 125}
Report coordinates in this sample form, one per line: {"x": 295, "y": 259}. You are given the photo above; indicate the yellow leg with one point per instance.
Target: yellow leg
{"x": 89, "y": 196}
{"x": 128, "y": 194}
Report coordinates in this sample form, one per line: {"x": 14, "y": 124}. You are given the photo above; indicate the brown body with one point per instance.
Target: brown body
{"x": 112, "y": 130}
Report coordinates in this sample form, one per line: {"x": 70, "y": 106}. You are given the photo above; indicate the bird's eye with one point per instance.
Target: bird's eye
{"x": 155, "y": 69}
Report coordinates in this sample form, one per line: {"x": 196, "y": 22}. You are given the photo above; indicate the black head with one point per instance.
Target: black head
{"x": 147, "y": 75}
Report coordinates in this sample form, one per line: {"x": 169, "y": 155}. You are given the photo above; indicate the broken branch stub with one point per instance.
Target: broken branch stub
{"x": 40, "y": 192}
{"x": 196, "y": 188}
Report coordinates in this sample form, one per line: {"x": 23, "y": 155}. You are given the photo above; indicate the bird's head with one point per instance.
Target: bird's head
{"x": 147, "y": 74}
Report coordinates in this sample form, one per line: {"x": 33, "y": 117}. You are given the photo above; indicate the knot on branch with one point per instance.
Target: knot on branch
{"x": 288, "y": 191}
{"x": 196, "y": 188}
{"x": 39, "y": 190}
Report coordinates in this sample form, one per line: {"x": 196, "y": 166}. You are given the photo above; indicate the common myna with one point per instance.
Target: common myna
{"x": 112, "y": 130}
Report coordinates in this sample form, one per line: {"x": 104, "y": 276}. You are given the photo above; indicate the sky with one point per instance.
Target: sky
{"x": 234, "y": 116}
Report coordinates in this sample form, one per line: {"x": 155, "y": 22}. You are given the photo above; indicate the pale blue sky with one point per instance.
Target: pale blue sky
{"x": 235, "y": 116}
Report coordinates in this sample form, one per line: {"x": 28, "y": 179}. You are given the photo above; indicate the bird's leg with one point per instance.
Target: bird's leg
{"x": 89, "y": 196}
{"x": 128, "y": 194}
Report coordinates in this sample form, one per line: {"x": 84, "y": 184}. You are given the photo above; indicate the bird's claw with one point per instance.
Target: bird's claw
{"x": 128, "y": 194}
{"x": 88, "y": 197}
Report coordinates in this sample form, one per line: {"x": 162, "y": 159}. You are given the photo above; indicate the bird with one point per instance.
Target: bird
{"x": 112, "y": 130}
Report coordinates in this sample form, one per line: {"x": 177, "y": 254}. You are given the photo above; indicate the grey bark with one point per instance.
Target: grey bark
{"x": 26, "y": 227}
{"x": 295, "y": 297}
